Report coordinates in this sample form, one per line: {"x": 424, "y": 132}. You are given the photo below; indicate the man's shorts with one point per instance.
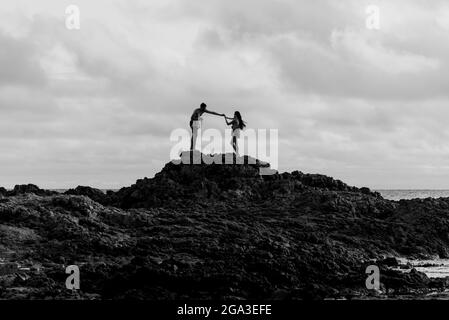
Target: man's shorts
{"x": 195, "y": 126}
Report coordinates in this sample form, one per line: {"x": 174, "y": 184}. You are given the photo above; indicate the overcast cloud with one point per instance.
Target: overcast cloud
{"x": 96, "y": 106}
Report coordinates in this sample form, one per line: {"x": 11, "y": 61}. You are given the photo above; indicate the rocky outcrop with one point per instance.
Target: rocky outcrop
{"x": 179, "y": 184}
{"x": 30, "y": 188}
{"x": 211, "y": 231}
{"x": 94, "y": 194}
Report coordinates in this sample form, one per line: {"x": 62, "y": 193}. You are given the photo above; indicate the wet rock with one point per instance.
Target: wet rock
{"x": 390, "y": 262}
{"x": 439, "y": 283}
{"x": 8, "y": 268}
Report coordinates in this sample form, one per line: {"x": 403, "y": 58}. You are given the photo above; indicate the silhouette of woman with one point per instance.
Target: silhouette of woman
{"x": 237, "y": 124}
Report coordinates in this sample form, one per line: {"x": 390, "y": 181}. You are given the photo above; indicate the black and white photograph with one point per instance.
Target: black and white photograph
{"x": 216, "y": 159}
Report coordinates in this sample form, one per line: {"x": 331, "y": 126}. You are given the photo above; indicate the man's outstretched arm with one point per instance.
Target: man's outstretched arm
{"x": 214, "y": 113}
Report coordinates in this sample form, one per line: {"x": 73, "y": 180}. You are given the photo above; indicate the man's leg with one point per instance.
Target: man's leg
{"x": 193, "y": 140}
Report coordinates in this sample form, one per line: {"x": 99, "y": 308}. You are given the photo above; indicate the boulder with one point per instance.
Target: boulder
{"x": 94, "y": 194}
{"x": 30, "y": 188}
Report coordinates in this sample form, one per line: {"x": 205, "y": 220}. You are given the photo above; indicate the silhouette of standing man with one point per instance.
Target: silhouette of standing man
{"x": 195, "y": 122}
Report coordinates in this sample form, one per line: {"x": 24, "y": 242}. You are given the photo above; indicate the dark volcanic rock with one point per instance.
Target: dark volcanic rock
{"x": 212, "y": 231}
{"x": 30, "y": 188}
{"x": 95, "y": 194}
{"x": 390, "y": 262}
{"x": 179, "y": 183}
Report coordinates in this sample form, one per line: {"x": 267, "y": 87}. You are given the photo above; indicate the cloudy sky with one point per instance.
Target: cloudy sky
{"x": 96, "y": 106}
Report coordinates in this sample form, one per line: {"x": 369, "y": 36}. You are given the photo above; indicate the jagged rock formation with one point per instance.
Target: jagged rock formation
{"x": 181, "y": 184}
{"x": 24, "y": 189}
{"x": 215, "y": 231}
{"x": 94, "y": 194}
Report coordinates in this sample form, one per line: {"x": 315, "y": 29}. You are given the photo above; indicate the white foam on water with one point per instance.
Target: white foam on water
{"x": 433, "y": 268}
{"x": 413, "y": 194}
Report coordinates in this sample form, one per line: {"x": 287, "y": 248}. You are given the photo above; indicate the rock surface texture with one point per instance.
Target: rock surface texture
{"x": 210, "y": 231}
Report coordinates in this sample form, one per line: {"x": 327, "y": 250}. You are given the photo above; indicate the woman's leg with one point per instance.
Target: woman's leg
{"x": 236, "y": 146}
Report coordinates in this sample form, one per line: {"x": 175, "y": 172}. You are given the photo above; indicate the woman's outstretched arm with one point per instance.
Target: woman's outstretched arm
{"x": 226, "y": 119}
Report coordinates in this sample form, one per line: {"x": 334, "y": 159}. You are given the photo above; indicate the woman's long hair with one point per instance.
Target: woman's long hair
{"x": 241, "y": 122}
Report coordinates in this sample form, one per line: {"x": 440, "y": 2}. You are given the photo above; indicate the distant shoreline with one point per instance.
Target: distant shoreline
{"x": 389, "y": 194}
{"x": 64, "y": 190}
{"x": 407, "y": 194}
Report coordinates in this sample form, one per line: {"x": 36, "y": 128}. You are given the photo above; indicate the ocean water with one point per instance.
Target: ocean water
{"x": 64, "y": 190}
{"x": 413, "y": 194}
{"x": 436, "y": 268}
